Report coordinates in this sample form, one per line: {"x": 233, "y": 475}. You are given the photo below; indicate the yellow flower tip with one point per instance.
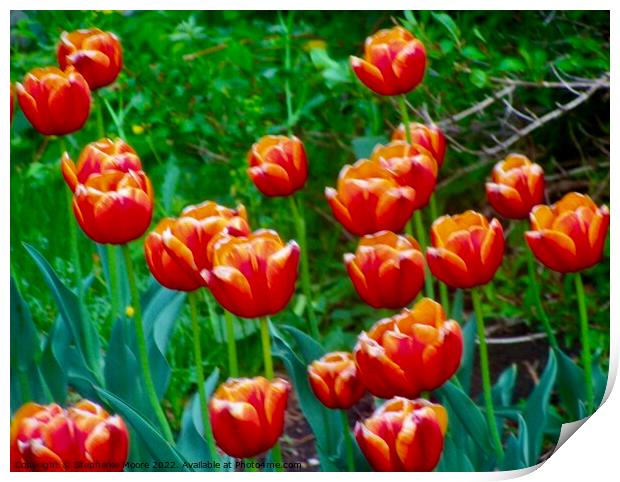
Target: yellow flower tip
{"x": 315, "y": 44}
{"x": 137, "y": 129}
{"x": 129, "y": 311}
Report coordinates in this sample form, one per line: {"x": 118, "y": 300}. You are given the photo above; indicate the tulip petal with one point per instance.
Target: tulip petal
{"x": 448, "y": 268}
{"x": 554, "y": 249}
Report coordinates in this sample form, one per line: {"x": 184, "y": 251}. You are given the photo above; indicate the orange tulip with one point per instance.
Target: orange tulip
{"x": 254, "y": 275}
{"x": 278, "y": 165}
{"x": 394, "y": 62}
{"x": 83, "y": 438}
{"x": 247, "y": 415}
{"x": 568, "y": 236}
{"x": 97, "y": 55}
{"x": 387, "y": 270}
{"x": 334, "y": 380}
{"x": 103, "y": 156}
{"x": 430, "y": 138}
{"x": 53, "y": 101}
{"x": 411, "y": 166}
{"x": 516, "y": 186}
{"x": 178, "y": 249}
{"x": 369, "y": 199}
{"x": 411, "y": 352}
{"x": 467, "y": 249}
{"x": 403, "y": 435}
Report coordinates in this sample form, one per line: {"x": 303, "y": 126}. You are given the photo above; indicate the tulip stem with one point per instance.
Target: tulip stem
{"x": 348, "y": 444}
{"x": 113, "y": 274}
{"x": 421, "y": 235}
{"x": 486, "y": 375}
{"x": 405, "y": 116}
{"x": 286, "y": 26}
{"x": 100, "y": 127}
{"x": 444, "y": 295}
{"x": 233, "y": 365}
{"x": 202, "y": 394}
{"x": 142, "y": 350}
{"x": 531, "y": 268}
{"x": 266, "y": 344}
{"x": 300, "y": 226}
{"x": 586, "y": 355}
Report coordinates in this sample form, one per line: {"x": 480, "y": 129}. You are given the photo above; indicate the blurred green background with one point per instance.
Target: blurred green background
{"x": 199, "y": 88}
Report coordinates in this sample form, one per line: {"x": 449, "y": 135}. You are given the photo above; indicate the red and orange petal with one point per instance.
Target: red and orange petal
{"x": 53, "y": 101}
{"x": 97, "y": 55}
{"x": 334, "y": 380}
{"x": 429, "y": 137}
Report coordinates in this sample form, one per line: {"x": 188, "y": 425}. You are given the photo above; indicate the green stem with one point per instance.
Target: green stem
{"x": 405, "y": 116}
{"x": 233, "y": 365}
{"x": 348, "y": 444}
{"x": 287, "y": 67}
{"x": 586, "y": 355}
{"x": 142, "y": 350}
{"x": 202, "y": 394}
{"x": 276, "y": 455}
{"x": 113, "y": 273}
{"x": 251, "y": 464}
{"x": 300, "y": 227}
{"x": 486, "y": 376}
{"x": 99, "y": 109}
{"x": 421, "y": 235}
{"x": 531, "y": 268}
{"x": 444, "y": 295}
{"x": 266, "y": 344}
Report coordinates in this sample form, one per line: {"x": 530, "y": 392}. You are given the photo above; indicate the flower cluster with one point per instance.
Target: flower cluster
{"x": 83, "y": 437}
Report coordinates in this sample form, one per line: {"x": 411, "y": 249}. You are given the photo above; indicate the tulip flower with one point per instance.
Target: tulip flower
{"x": 253, "y": 276}
{"x": 368, "y": 199}
{"x": 97, "y": 55}
{"x": 413, "y": 351}
{"x": 467, "y": 249}
{"x": 387, "y": 270}
{"x": 55, "y": 102}
{"x": 568, "y": 236}
{"x": 394, "y": 62}
{"x": 278, "y": 165}
{"x": 411, "y": 166}
{"x": 403, "y": 435}
{"x": 247, "y": 415}
{"x": 335, "y": 381}
{"x": 83, "y": 438}
{"x": 430, "y": 138}
{"x": 516, "y": 186}
{"x": 178, "y": 249}
{"x": 103, "y": 156}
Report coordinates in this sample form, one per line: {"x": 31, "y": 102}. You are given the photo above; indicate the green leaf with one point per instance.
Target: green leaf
{"x": 157, "y": 446}
{"x": 191, "y": 442}
{"x": 363, "y": 146}
{"x": 516, "y": 455}
{"x": 445, "y": 20}
{"x": 472, "y": 418}
{"x": 325, "y": 423}
{"x": 503, "y": 388}
{"x": 457, "y": 306}
{"x": 25, "y": 342}
{"x": 478, "y": 77}
{"x": 536, "y": 408}
{"x": 570, "y": 383}
{"x": 469, "y": 349}
{"x": 511, "y": 64}
{"x": 54, "y": 360}
{"x": 454, "y": 459}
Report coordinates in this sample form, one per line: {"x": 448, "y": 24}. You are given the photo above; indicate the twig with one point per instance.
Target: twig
{"x": 477, "y": 107}
{"x": 582, "y": 84}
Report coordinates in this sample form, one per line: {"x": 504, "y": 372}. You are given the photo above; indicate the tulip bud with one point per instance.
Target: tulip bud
{"x": 517, "y": 186}
{"x": 53, "y": 101}
{"x": 254, "y": 275}
{"x": 368, "y": 199}
{"x": 414, "y": 351}
{"x": 394, "y": 62}
{"x": 100, "y": 157}
{"x": 467, "y": 249}
{"x": 568, "y": 236}
{"x": 278, "y": 165}
{"x": 247, "y": 415}
{"x": 334, "y": 380}
{"x": 411, "y": 166}
{"x": 403, "y": 435}
{"x": 83, "y": 438}
{"x": 387, "y": 270}
{"x": 97, "y": 55}
{"x": 179, "y": 249}
{"x": 430, "y": 138}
